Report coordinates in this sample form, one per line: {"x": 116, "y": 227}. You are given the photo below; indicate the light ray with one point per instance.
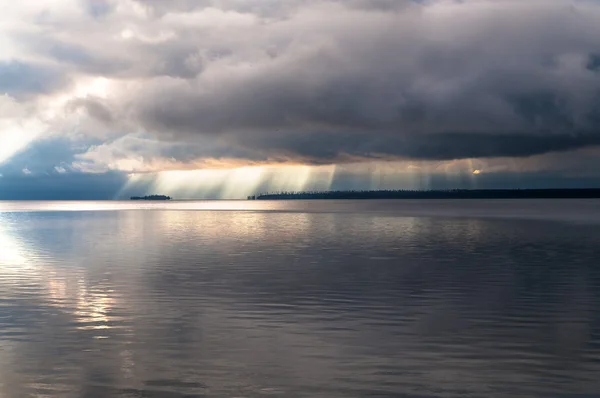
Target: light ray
{"x": 14, "y": 137}
{"x": 229, "y": 183}
{"x": 241, "y": 182}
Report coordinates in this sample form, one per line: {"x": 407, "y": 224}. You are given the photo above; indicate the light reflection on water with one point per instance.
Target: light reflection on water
{"x": 294, "y": 303}
{"x": 580, "y": 210}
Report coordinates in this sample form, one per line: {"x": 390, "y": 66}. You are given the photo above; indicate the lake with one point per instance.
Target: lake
{"x": 300, "y": 299}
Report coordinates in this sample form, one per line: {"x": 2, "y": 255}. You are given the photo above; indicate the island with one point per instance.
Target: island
{"x": 583, "y": 193}
{"x": 151, "y": 197}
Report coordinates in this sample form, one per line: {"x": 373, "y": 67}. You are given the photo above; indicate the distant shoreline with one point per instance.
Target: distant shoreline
{"x": 584, "y": 193}
{"x": 151, "y": 197}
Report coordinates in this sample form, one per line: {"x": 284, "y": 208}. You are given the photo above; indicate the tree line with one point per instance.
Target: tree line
{"x": 583, "y": 193}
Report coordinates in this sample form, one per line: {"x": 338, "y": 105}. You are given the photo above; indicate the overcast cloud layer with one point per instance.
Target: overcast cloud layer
{"x": 150, "y": 85}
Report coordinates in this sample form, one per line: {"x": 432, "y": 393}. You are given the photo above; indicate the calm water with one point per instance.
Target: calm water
{"x": 300, "y": 299}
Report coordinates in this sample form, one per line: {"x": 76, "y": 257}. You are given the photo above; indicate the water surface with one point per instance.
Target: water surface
{"x": 300, "y": 299}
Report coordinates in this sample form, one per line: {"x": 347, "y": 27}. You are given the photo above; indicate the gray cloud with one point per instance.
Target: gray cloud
{"x": 441, "y": 80}
{"x": 326, "y": 81}
{"x": 21, "y": 78}
{"x": 95, "y": 107}
{"x": 97, "y": 8}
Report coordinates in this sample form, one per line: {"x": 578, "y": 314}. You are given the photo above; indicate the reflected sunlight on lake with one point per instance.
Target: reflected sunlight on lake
{"x": 299, "y": 299}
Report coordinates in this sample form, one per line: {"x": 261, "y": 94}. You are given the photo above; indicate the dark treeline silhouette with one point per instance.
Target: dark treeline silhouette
{"x": 151, "y": 197}
{"x": 438, "y": 194}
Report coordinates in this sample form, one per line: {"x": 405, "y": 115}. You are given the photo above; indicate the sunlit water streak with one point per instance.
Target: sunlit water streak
{"x": 299, "y": 299}
{"x": 579, "y": 210}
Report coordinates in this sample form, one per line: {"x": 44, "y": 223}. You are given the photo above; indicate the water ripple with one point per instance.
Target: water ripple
{"x": 186, "y": 303}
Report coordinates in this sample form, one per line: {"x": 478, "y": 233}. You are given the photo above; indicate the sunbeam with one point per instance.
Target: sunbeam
{"x": 14, "y": 137}
{"x": 230, "y": 183}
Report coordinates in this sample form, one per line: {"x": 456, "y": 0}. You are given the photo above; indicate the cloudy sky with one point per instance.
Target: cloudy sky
{"x": 224, "y": 98}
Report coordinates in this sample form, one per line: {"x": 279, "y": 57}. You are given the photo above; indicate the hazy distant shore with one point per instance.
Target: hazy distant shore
{"x": 151, "y": 197}
{"x": 438, "y": 194}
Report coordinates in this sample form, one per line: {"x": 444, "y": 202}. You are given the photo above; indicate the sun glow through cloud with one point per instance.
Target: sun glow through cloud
{"x": 16, "y": 135}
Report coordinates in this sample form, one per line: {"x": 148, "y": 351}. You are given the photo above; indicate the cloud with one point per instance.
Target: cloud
{"x": 18, "y": 77}
{"x": 98, "y": 8}
{"x": 19, "y": 126}
{"x": 441, "y": 80}
{"x": 152, "y": 85}
{"x": 45, "y": 157}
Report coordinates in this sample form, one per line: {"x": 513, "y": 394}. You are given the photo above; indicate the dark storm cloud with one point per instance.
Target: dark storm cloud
{"x": 458, "y": 146}
{"x": 437, "y": 80}
{"x": 322, "y": 81}
{"x": 326, "y": 147}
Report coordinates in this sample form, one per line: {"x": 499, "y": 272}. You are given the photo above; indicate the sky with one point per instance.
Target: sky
{"x": 104, "y": 99}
